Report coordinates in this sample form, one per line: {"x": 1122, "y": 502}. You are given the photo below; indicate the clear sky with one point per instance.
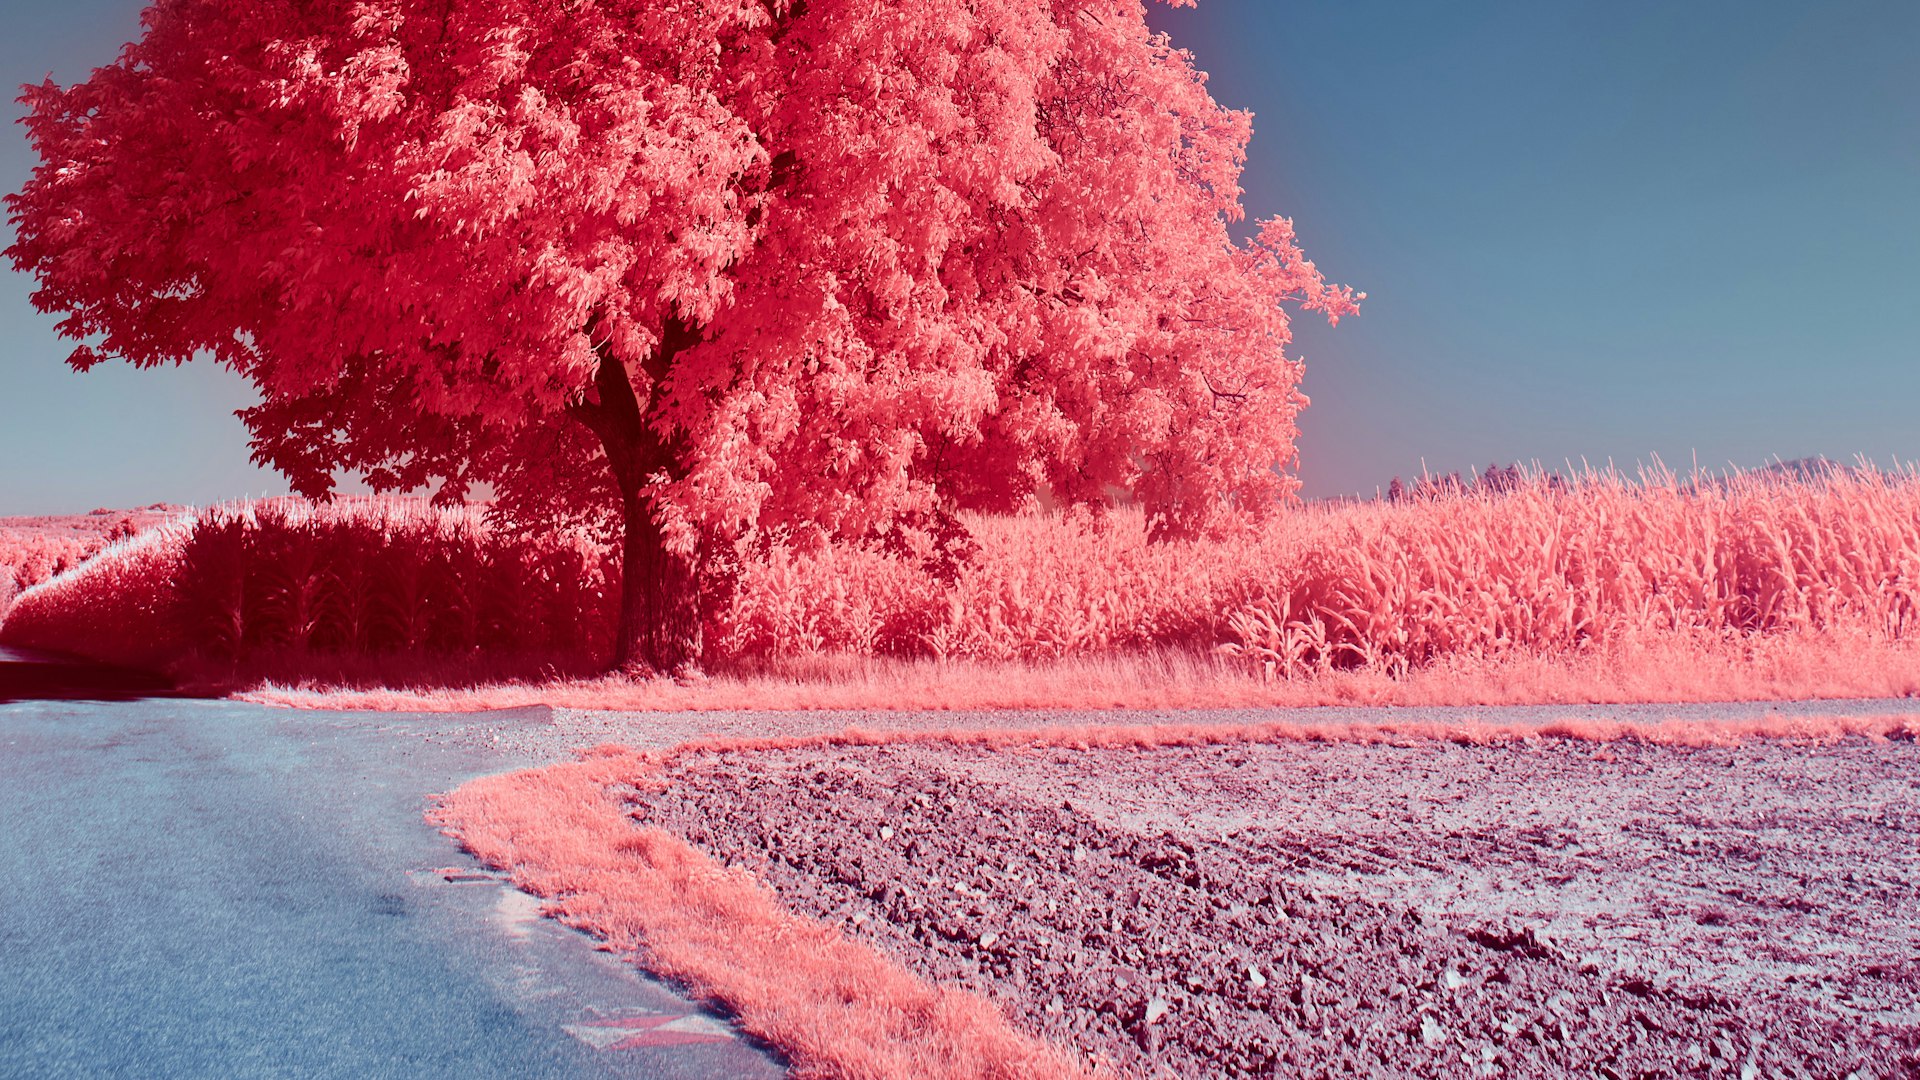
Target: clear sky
{"x": 1586, "y": 230}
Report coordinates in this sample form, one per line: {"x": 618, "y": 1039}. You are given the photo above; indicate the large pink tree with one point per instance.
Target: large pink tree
{"x": 697, "y": 268}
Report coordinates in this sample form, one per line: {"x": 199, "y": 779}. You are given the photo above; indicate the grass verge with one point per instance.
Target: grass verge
{"x": 833, "y": 1006}
{"x": 1671, "y": 667}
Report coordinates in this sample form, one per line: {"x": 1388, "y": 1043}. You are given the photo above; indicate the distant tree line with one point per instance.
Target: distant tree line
{"x": 1496, "y": 480}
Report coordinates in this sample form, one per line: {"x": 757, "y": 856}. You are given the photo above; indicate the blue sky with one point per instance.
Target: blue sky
{"x": 1590, "y": 230}
{"x": 1599, "y": 231}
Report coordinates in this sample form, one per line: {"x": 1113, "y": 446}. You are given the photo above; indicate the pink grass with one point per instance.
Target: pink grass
{"x": 1678, "y": 732}
{"x": 1537, "y": 570}
{"x": 834, "y": 1006}
{"x": 1670, "y": 668}
{"x": 1675, "y": 732}
{"x": 116, "y": 607}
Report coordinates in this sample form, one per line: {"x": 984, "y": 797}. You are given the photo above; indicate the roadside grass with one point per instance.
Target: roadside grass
{"x": 1600, "y": 590}
{"x": 834, "y": 1006}
{"x": 1667, "y": 668}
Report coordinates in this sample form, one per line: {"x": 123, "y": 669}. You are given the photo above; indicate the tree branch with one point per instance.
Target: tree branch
{"x": 1218, "y": 394}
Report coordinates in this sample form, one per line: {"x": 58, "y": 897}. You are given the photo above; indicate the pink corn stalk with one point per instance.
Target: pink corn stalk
{"x": 283, "y": 580}
{"x": 1529, "y": 569}
{"x": 1530, "y": 565}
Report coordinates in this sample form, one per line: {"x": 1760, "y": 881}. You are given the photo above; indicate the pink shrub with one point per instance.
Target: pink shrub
{"x": 1043, "y": 587}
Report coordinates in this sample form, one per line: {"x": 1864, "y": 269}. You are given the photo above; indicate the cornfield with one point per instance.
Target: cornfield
{"x": 287, "y": 580}
{"x": 1535, "y": 570}
{"x": 1541, "y": 569}
{"x": 29, "y": 558}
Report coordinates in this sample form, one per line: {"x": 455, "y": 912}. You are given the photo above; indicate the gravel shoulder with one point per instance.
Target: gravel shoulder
{"x": 539, "y": 734}
{"x": 1545, "y": 907}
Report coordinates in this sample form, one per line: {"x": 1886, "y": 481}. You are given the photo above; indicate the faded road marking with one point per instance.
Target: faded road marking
{"x": 653, "y": 1029}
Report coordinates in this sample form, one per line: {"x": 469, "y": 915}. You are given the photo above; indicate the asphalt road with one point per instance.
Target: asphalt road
{"x": 202, "y": 888}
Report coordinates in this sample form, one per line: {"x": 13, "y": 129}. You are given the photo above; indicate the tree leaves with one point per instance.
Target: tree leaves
{"x": 933, "y": 254}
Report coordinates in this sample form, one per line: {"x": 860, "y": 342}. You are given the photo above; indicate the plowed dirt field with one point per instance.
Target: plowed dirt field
{"x": 1549, "y": 907}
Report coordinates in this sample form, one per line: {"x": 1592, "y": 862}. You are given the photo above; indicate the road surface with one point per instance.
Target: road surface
{"x": 206, "y": 888}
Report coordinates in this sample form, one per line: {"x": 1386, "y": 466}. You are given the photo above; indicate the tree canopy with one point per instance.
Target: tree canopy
{"x": 696, "y": 268}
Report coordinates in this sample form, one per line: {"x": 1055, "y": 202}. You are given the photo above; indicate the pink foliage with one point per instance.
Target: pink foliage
{"x": 1542, "y": 570}
{"x": 116, "y": 606}
{"x": 28, "y": 558}
{"x": 33, "y": 549}
{"x": 290, "y": 586}
{"x": 690, "y": 270}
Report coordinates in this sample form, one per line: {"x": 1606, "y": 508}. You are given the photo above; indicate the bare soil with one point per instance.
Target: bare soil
{"x": 1546, "y": 908}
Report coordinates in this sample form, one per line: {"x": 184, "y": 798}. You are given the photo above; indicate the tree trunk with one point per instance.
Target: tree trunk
{"x": 659, "y": 598}
{"x": 659, "y": 629}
